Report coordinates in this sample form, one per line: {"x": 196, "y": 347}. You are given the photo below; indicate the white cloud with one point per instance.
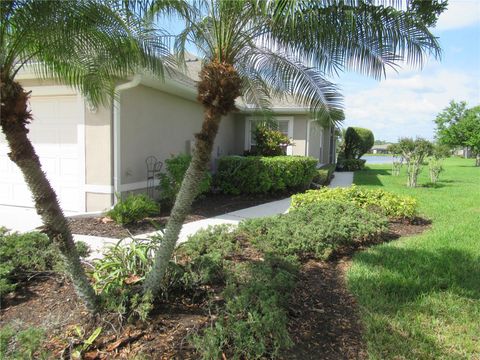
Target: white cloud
{"x": 406, "y": 105}
{"x": 460, "y": 13}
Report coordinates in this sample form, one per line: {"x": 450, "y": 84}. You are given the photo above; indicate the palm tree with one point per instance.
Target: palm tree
{"x": 265, "y": 49}
{"x": 87, "y": 44}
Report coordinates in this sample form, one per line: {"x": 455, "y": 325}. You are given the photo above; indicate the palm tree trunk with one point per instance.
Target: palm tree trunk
{"x": 184, "y": 199}
{"x": 217, "y": 91}
{"x": 14, "y": 120}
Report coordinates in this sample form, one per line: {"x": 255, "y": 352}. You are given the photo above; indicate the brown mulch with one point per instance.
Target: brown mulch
{"x": 324, "y": 319}
{"x": 207, "y": 206}
{"x": 325, "y": 323}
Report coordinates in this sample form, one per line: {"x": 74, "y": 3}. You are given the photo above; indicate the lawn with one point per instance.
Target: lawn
{"x": 420, "y": 296}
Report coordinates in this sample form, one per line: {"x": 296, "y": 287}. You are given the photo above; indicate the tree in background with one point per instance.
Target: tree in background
{"x": 89, "y": 45}
{"x": 439, "y": 152}
{"x": 271, "y": 49}
{"x": 458, "y": 126}
{"x": 414, "y": 152}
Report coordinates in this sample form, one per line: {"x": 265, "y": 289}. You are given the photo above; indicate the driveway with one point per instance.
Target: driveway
{"x": 18, "y": 218}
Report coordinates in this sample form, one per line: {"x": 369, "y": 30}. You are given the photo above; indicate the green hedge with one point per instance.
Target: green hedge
{"x": 255, "y": 174}
{"x": 391, "y": 205}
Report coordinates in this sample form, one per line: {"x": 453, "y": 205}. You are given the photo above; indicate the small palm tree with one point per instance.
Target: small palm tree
{"x": 262, "y": 50}
{"x": 87, "y": 44}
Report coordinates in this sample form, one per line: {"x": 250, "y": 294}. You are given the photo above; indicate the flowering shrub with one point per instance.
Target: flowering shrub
{"x": 391, "y": 205}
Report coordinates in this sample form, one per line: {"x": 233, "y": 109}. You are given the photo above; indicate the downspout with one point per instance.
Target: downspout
{"x": 117, "y": 171}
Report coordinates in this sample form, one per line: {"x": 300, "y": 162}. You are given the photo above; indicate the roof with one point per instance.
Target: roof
{"x": 184, "y": 84}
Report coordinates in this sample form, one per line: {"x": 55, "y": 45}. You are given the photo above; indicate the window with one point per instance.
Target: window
{"x": 285, "y": 126}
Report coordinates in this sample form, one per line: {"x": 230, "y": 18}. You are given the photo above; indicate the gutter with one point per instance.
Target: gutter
{"x": 117, "y": 171}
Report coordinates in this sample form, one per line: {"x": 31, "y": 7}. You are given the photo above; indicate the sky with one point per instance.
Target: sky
{"x": 406, "y": 102}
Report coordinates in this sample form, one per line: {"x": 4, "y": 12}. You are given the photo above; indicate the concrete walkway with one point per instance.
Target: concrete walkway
{"x": 22, "y": 219}
{"x": 25, "y": 219}
{"x": 97, "y": 244}
{"x": 342, "y": 179}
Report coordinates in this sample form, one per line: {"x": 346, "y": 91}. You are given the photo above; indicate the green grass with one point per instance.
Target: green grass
{"x": 420, "y": 295}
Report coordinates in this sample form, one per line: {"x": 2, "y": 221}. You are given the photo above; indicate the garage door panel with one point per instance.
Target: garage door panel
{"x": 54, "y": 133}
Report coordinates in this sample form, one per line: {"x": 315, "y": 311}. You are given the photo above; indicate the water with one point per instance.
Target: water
{"x": 377, "y": 159}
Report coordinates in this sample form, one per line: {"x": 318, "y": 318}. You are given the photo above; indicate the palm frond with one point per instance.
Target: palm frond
{"x": 356, "y": 35}
{"x": 86, "y": 44}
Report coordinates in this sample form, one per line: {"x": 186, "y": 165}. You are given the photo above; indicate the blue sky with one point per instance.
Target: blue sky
{"x": 406, "y": 102}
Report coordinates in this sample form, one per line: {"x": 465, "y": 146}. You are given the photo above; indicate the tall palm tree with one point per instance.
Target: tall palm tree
{"x": 87, "y": 44}
{"x": 261, "y": 49}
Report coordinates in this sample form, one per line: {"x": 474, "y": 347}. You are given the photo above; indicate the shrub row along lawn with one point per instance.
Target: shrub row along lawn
{"x": 420, "y": 295}
{"x": 248, "y": 273}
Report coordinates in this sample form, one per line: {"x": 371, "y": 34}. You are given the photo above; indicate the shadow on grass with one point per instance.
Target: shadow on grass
{"x": 438, "y": 185}
{"x": 409, "y": 274}
{"x": 371, "y": 176}
{"x": 399, "y": 282}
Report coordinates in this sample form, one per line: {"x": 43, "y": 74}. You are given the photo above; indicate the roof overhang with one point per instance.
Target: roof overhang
{"x": 180, "y": 86}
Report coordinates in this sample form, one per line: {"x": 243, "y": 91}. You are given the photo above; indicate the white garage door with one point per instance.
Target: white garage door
{"x": 57, "y": 135}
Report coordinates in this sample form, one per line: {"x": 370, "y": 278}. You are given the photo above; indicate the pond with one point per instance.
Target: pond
{"x": 378, "y": 159}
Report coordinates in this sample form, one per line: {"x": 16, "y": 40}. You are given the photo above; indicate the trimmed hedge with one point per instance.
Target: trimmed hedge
{"x": 357, "y": 142}
{"x": 171, "y": 180}
{"x": 391, "y": 205}
{"x": 256, "y": 174}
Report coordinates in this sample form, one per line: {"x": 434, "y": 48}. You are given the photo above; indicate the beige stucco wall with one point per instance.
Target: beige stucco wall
{"x": 300, "y": 123}
{"x": 98, "y": 146}
{"x": 326, "y": 146}
{"x": 98, "y": 201}
{"x": 98, "y": 156}
{"x": 160, "y": 124}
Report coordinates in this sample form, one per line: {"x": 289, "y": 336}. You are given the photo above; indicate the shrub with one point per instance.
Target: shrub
{"x": 324, "y": 175}
{"x": 133, "y": 208}
{"x": 27, "y": 253}
{"x": 357, "y": 141}
{"x": 350, "y": 164}
{"x": 170, "y": 182}
{"x": 391, "y": 205}
{"x": 25, "y": 344}
{"x": 255, "y": 174}
{"x": 118, "y": 276}
{"x": 269, "y": 142}
{"x": 414, "y": 152}
{"x": 317, "y": 229}
{"x": 119, "y": 273}
{"x": 253, "y": 323}
{"x": 21, "y": 254}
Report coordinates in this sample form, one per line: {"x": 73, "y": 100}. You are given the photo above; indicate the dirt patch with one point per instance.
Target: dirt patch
{"x": 325, "y": 323}
{"x": 205, "y": 207}
{"x": 324, "y": 320}
{"x": 50, "y": 303}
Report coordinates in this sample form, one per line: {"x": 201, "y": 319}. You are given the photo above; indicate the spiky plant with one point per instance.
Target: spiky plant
{"x": 87, "y": 44}
{"x": 262, "y": 50}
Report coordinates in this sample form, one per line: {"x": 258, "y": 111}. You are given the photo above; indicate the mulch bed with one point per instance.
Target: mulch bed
{"x": 208, "y": 206}
{"x": 324, "y": 319}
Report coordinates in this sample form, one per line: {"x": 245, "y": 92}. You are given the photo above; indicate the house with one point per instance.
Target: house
{"x": 89, "y": 154}
{"x": 380, "y": 149}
